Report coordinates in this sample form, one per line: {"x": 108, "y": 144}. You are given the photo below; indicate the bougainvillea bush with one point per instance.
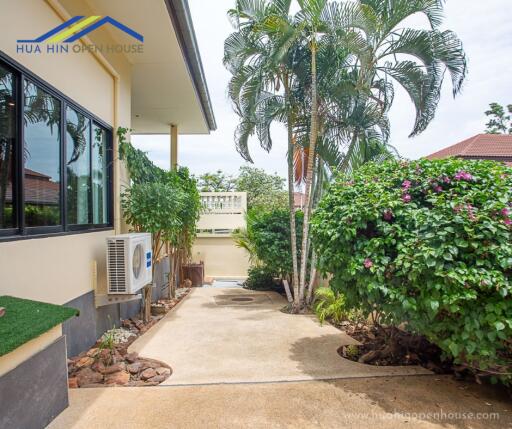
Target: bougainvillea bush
{"x": 428, "y": 243}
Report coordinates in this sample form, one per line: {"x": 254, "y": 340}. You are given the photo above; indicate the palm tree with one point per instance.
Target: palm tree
{"x": 338, "y": 63}
{"x": 260, "y": 54}
{"x": 371, "y": 30}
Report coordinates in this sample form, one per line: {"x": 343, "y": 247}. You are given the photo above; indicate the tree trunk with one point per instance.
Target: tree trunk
{"x": 312, "y": 278}
{"x": 291, "y": 198}
{"x": 299, "y": 300}
{"x": 317, "y": 196}
{"x": 312, "y": 202}
{"x": 287, "y": 290}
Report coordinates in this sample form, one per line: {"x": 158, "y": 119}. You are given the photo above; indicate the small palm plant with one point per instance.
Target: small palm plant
{"x": 329, "y": 305}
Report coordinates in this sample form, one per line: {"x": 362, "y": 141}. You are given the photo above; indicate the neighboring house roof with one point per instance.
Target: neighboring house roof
{"x": 182, "y": 21}
{"x": 298, "y": 200}
{"x": 482, "y": 146}
{"x": 39, "y": 189}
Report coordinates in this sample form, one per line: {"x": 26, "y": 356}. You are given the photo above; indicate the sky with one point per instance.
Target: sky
{"x": 484, "y": 28}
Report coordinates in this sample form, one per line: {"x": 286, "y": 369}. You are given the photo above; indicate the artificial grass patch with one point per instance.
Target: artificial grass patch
{"x": 25, "y": 320}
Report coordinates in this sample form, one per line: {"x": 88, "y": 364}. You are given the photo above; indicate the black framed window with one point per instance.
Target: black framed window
{"x": 78, "y": 168}
{"x": 100, "y": 184}
{"x": 41, "y": 154}
{"x": 55, "y": 159}
{"x": 7, "y": 142}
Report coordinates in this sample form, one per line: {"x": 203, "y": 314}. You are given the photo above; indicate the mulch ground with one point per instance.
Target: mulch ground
{"x": 390, "y": 346}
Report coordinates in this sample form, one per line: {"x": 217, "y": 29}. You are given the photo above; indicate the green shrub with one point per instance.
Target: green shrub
{"x": 270, "y": 235}
{"x": 329, "y": 305}
{"x": 427, "y": 243}
{"x": 260, "y": 278}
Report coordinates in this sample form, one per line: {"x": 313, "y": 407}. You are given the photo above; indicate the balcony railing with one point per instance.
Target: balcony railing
{"x": 224, "y": 202}
{"x": 223, "y": 212}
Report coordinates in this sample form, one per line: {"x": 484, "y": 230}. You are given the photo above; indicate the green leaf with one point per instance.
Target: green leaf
{"x": 499, "y": 326}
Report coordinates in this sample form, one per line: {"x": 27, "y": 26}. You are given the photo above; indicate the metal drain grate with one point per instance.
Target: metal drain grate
{"x": 240, "y": 300}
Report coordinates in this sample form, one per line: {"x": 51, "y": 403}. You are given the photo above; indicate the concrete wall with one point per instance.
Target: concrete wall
{"x": 222, "y": 259}
{"x": 36, "y": 391}
{"x": 66, "y": 269}
{"x": 223, "y": 210}
{"x": 33, "y": 382}
{"x": 80, "y": 76}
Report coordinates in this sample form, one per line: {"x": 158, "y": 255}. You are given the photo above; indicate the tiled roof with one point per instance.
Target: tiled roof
{"x": 486, "y": 146}
{"x": 39, "y": 189}
{"x": 298, "y": 200}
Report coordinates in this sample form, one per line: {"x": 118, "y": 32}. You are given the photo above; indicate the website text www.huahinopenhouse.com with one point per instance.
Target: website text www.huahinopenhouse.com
{"x": 439, "y": 415}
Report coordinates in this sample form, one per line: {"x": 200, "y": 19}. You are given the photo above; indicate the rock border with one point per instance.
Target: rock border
{"x": 103, "y": 366}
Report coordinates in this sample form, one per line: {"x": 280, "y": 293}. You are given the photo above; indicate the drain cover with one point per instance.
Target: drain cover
{"x": 242, "y": 299}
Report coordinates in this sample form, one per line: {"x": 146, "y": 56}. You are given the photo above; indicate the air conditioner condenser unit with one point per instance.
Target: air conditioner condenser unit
{"x": 129, "y": 263}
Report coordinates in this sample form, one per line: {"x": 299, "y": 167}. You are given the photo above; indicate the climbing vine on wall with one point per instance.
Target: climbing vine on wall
{"x": 164, "y": 203}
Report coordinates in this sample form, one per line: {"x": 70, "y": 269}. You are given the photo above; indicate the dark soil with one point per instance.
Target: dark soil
{"x": 390, "y": 346}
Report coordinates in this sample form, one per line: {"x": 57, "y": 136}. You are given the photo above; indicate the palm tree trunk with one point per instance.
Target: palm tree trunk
{"x": 312, "y": 200}
{"x": 299, "y": 300}
{"x": 291, "y": 198}
{"x": 316, "y": 194}
{"x": 312, "y": 278}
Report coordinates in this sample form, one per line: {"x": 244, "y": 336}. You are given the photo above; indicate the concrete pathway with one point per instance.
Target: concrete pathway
{"x": 237, "y": 363}
{"x": 234, "y": 336}
{"x": 423, "y": 402}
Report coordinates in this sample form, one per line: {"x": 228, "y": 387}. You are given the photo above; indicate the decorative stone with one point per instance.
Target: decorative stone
{"x": 86, "y": 386}
{"x": 131, "y": 357}
{"x": 105, "y": 356}
{"x": 114, "y": 368}
{"x": 136, "y": 383}
{"x": 88, "y": 376}
{"x": 98, "y": 366}
{"x": 163, "y": 371}
{"x": 157, "y": 379}
{"x": 84, "y": 362}
{"x": 73, "y": 382}
{"x": 93, "y": 352}
{"x": 148, "y": 363}
{"x": 134, "y": 368}
{"x": 117, "y": 357}
{"x": 119, "y": 378}
{"x": 148, "y": 373}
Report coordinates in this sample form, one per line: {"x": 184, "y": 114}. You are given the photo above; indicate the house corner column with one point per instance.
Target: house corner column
{"x": 174, "y": 147}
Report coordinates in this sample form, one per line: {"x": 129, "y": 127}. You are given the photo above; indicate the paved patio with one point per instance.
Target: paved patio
{"x": 236, "y": 336}
{"x": 239, "y": 362}
{"x": 422, "y": 402}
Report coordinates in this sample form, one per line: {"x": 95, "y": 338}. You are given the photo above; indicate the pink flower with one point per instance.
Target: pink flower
{"x": 438, "y": 188}
{"x": 504, "y": 212}
{"x": 407, "y": 184}
{"x": 463, "y": 175}
{"x": 471, "y": 214}
{"x": 446, "y": 179}
{"x": 368, "y": 263}
{"x": 388, "y": 215}
{"x": 406, "y": 198}
{"x": 508, "y": 221}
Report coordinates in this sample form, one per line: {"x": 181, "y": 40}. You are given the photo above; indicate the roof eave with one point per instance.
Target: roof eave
{"x": 179, "y": 13}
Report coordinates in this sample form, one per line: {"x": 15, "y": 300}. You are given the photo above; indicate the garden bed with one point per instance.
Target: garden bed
{"x": 108, "y": 362}
{"x": 390, "y": 346}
